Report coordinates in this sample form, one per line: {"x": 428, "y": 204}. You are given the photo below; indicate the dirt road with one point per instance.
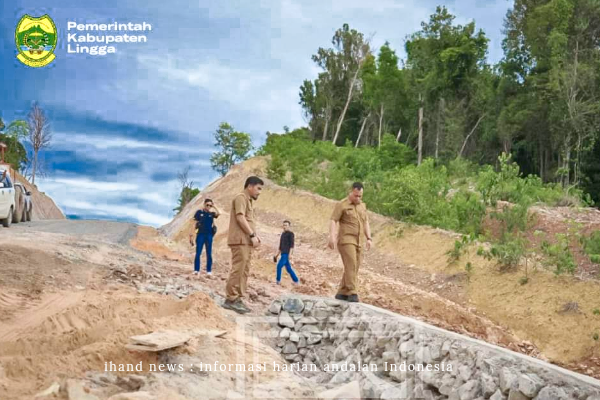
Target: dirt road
{"x": 115, "y": 232}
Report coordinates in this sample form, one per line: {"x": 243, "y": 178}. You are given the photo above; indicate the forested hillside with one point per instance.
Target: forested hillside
{"x": 445, "y": 101}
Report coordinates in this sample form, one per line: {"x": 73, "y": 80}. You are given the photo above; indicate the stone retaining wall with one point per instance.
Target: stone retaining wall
{"x": 345, "y": 342}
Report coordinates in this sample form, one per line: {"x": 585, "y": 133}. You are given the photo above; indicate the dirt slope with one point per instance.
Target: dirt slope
{"x": 409, "y": 272}
{"x": 43, "y": 206}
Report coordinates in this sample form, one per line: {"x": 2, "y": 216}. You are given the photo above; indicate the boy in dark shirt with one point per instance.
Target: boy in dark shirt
{"x": 286, "y": 249}
{"x": 204, "y": 234}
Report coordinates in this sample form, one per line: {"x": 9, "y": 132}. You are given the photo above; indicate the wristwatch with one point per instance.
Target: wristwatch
{"x": 252, "y": 235}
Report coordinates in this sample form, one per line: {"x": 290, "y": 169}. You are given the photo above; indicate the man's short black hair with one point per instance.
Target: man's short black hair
{"x": 208, "y": 201}
{"x": 252, "y": 181}
{"x": 287, "y": 222}
{"x": 357, "y": 185}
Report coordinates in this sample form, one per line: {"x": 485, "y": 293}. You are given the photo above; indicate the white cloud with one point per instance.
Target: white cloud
{"x": 99, "y": 208}
{"x": 269, "y": 95}
{"x": 87, "y": 185}
{"x": 157, "y": 198}
{"x": 106, "y": 142}
{"x": 86, "y": 197}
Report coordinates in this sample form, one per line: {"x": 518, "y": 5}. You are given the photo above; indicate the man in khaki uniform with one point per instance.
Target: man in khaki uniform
{"x": 350, "y": 237}
{"x": 241, "y": 240}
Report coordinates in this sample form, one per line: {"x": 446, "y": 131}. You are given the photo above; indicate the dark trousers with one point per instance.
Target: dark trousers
{"x": 285, "y": 261}
{"x": 203, "y": 239}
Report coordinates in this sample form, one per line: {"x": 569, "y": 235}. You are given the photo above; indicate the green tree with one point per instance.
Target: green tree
{"x": 233, "y": 147}
{"x": 552, "y": 48}
{"x": 445, "y": 61}
{"x": 188, "y": 191}
{"x": 384, "y": 91}
{"x": 12, "y": 135}
{"x": 336, "y": 92}
{"x": 186, "y": 195}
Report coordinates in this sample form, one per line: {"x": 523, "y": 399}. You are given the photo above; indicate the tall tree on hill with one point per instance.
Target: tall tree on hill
{"x": 318, "y": 101}
{"x": 445, "y": 60}
{"x": 234, "y": 147}
{"x": 40, "y": 135}
{"x": 353, "y": 50}
{"x": 329, "y": 98}
{"x": 383, "y": 90}
{"x": 552, "y": 48}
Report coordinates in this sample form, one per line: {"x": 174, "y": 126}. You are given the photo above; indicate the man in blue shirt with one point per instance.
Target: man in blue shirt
{"x": 204, "y": 234}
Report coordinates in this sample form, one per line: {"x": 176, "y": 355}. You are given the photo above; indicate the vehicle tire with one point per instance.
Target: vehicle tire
{"x": 19, "y": 207}
{"x": 8, "y": 220}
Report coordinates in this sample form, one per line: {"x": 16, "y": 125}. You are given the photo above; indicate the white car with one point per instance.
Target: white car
{"x": 7, "y": 198}
{"x": 23, "y": 204}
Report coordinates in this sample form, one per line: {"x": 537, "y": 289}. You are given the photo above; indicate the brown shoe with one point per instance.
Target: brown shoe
{"x": 235, "y": 306}
{"x": 241, "y": 304}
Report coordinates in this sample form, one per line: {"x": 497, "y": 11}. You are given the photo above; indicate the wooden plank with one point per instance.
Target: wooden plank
{"x": 161, "y": 339}
{"x": 136, "y": 347}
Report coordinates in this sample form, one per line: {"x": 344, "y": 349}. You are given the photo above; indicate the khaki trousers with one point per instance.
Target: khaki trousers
{"x": 352, "y": 258}
{"x": 241, "y": 256}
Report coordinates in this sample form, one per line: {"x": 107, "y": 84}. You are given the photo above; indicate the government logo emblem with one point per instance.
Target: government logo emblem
{"x": 36, "y": 40}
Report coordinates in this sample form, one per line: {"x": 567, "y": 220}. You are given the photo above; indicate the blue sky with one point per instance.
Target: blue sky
{"x": 124, "y": 124}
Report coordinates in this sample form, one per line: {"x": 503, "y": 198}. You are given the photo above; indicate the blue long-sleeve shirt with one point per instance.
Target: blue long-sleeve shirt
{"x": 204, "y": 221}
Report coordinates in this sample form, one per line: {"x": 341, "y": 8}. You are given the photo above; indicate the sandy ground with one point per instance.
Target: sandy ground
{"x": 73, "y": 292}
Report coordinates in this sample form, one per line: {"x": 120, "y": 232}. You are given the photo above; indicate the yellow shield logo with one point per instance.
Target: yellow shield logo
{"x": 36, "y": 40}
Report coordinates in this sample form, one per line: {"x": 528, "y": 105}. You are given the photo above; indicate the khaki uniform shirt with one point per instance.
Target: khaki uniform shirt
{"x": 241, "y": 204}
{"x": 352, "y": 219}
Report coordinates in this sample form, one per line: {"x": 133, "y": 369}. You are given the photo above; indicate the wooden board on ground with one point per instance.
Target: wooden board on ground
{"x": 136, "y": 347}
{"x": 157, "y": 341}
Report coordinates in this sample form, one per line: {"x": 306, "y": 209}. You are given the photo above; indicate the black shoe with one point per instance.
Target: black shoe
{"x": 353, "y": 298}
{"x": 341, "y": 297}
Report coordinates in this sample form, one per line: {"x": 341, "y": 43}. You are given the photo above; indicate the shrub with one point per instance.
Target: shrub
{"x": 558, "y": 255}
{"x": 396, "y": 187}
{"x": 508, "y": 252}
{"x": 591, "y": 244}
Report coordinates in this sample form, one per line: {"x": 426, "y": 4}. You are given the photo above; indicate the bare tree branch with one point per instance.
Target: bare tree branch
{"x": 183, "y": 179}
{"x": 39, "y": 135}
{"x": 469, "y": 135}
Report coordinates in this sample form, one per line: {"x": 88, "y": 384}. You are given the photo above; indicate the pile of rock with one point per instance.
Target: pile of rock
{"x": 304, "y": 327}
{"x": 395, "y": 357}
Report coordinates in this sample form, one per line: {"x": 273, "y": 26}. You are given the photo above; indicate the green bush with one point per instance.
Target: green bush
{"x": 558, "y": 255}
{"x": 591, "y": 244}
{"x": 452, "y": 197}
{"x": 508, "y": 252}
